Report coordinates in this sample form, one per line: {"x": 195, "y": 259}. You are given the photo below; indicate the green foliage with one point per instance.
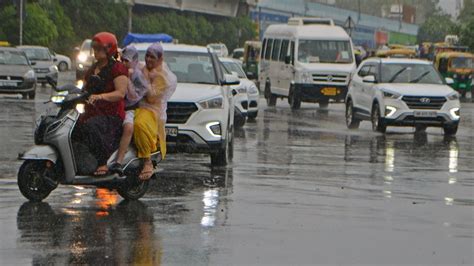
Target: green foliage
{"x": 66, "y": 37}
{"x": 197, "y": 29}
{"x": 37, "y": 28}
{"x": 435, "y": 28}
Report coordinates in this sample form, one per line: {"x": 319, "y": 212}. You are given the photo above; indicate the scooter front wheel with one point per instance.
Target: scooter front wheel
{"x": 133, "y": 188}
{"x": 31, "y": 181}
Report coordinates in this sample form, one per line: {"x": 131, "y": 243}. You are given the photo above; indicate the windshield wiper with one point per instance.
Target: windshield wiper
{"x": 420, "y": 77}
{"x": 396, "y": 74}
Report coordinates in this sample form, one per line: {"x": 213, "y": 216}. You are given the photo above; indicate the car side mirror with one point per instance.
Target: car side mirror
{"x": 449, "y": 81}
{"x": 230, "y": 80}
{"x": 369, "y": 79}
{"x": 287, "y": 59}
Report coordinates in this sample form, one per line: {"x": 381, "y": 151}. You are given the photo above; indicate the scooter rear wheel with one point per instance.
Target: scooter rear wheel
{"x": 132, "y": 188}
{"x": 31, "y": 182}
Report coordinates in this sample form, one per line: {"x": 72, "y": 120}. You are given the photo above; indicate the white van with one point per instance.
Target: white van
{"x": 306, "y": 60}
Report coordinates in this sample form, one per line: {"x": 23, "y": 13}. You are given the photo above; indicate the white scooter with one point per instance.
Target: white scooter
{"x": 57, "y": 159}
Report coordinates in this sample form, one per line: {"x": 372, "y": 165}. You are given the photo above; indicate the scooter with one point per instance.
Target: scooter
{"x": 57, "y": 158}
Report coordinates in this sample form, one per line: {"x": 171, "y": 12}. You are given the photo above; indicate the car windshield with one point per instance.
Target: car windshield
{"x": 12, "y": 58}
{"x": 409, "y": 73}
{"x": 234, "y": 67}
{"x": 37, "y": 54}
{"x": 462, "y": 62}
{"x": 316, "y": 51}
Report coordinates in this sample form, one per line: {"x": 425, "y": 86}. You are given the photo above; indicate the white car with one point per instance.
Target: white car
{"x": 219, "y": 48}
{"x": 247, "y": 98}
{"x": 62, "y": 62}
{"x": 42, "y": 61}
{"x": 401, "y": 92}
{"x": 201, "y": 111}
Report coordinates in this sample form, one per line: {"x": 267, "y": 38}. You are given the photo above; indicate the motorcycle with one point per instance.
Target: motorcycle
{"x": 56, "y": 158}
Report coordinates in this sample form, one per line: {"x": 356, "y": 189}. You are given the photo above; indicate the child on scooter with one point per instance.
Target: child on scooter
{"x": 137, "y": 88}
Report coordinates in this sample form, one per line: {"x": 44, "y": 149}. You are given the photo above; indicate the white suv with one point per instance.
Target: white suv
{"x": 201, "y": 111}
{"x": 401, "y": 92}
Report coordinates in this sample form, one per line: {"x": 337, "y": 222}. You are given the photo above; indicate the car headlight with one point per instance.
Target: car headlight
{"x": 391, "y": 95}
{"x": 242, "y": 90}
{"x": 253, "y": 89}
{"x": 53, "y": 68}
{"x": 30, "y": 74}
{"x": 306, "y": 77}
{"x": 214, "y": 103}
{"x": 453, "y": 96}
{"x": 82, "y": 57}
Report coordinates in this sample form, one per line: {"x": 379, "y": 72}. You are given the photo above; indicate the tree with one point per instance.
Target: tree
{"x": 38, "y": 29}
{"x": 63, "y": 24}
{"x": 435, "y": 28}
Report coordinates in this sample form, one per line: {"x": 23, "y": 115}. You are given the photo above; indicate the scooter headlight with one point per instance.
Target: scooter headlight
{"x": 80, "y": 84}
{"x": 58, "y": 98}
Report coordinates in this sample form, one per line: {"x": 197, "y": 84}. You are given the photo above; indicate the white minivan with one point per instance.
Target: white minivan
{"x": 306, "y": 60}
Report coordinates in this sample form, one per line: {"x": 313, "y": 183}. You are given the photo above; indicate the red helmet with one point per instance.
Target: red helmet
{"x": 106, "y": 40}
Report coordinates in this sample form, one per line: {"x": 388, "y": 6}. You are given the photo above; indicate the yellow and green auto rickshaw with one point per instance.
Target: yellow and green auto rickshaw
{"x": 251, "y": 59}
{"x": 459, "y": 66}
{"x": 4, "y": 43}
{"x": 396, "y": 53}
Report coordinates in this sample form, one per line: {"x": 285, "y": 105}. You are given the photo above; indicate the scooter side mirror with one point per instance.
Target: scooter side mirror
{"x": 51, "y": 81}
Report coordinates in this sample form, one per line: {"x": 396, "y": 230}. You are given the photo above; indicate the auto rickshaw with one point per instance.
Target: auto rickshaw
{"x": 459, "y": 66}
{"x": 251, "y": 59}
{"x": 396, "y": 53}
{"x": 4, "y": 43}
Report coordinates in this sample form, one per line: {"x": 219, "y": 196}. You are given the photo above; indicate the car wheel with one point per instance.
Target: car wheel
{"x": 226, "y": 153}
{"x": 351, "y": 122}
{"x": 269, "y": 96}
{"x": 24, "y": 95}
{"x": 294, "y": 99}
{"x": 324, "y": 103}
{"x": 31, "y": 181}
{"x": 450, "y": 130}
{"x": 62, "y": 66}
{"x": 239, "y": 119}
{"x": 377, "y": 124}
{"x": 252, "y": 116}
{"x": 32, "y": 95}
{"x": 420, "y": 128}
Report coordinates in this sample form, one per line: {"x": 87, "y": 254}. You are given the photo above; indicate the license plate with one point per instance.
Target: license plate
{"x": 7, "y": 83}
{"x": 329, "y": 91}
{"x": 424, "y": 114}
{"x": 172, "y": 131}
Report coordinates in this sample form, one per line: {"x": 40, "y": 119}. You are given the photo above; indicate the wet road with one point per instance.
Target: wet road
{"x": 302, "y": 190}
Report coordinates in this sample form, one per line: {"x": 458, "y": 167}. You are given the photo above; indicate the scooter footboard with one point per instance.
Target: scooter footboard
{"x": 40, "y": 152}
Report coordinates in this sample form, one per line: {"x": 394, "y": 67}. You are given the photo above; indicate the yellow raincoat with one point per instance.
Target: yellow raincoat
{"x": 150, "y": 118}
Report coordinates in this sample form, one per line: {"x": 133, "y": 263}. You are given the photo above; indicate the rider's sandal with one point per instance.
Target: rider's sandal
{"x": 146, "y": 174}
{"x": 101, "y": 172}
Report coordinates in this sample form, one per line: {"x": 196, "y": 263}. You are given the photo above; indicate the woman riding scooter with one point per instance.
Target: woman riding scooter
{"x": 100, "y": 127}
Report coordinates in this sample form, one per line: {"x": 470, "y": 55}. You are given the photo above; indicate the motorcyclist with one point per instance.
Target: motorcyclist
{"x": 100, "y": 127}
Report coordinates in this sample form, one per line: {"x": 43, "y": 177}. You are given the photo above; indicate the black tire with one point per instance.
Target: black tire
{"x": 294, "y": 99}
{"x": 377, "y": 123}
{"x": 324, "y": 103}
{"x": 226, "y": 153}
{"x": 24, "y": 95}
{"x": 269, "y": 96}
{"x": 450, "y": 130}
{"x": 30, "y": 182}
{"x": 62, "y": 66}
{"x": 239, "y": 119}
{"x": 252, "y": 116}
{"x": 351, "y": 121}
{"x": 133, "y": 188}
{"x": 420, "y": 128}
{"x": 32, "y": 95}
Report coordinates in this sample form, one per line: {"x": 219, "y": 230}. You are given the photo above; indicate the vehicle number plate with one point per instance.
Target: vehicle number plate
{"x": 425, "y": 114}
{"x": 172, "y": 131}
{"x": 329, "y": 91}
{"x": 7, "y": 83}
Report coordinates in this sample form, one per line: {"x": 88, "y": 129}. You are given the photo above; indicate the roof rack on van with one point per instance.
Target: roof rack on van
{"x": 300, "y": 21}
